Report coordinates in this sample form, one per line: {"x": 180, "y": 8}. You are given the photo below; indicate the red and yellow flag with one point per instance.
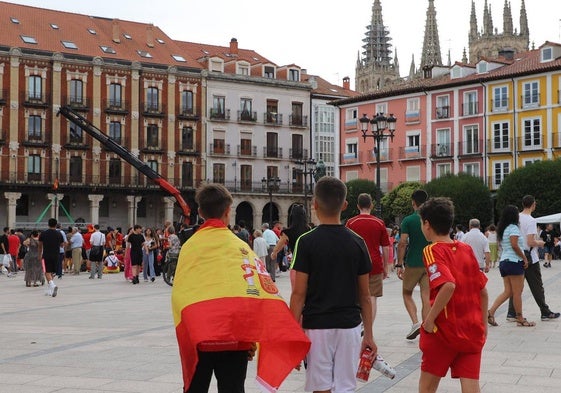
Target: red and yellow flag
{"x": 223, "y": 299}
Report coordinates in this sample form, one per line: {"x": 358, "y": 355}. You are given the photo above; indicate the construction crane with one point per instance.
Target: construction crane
{"x": 127, "y": 156}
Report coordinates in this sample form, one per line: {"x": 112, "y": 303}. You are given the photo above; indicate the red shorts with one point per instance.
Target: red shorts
{"x": 438, "y": 357}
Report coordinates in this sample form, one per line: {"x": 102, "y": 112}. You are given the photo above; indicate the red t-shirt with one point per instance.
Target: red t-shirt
{"x": 374, "y": 232}
{"x": 460, "y": 324}
{"x": 14, "y": 243}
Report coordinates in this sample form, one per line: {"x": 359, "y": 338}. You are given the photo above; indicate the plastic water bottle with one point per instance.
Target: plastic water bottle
{"x": 365, "y": 364}
{"x": 383, "y": 367}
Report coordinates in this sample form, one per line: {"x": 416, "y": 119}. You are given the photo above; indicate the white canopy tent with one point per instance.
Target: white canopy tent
{"x": 550, "y": 219}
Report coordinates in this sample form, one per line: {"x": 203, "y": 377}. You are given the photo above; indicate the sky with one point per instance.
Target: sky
{"x": 323, "y": 37}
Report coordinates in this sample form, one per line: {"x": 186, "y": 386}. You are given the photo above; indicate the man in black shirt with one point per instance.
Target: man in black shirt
{"x": 50, "y": 242}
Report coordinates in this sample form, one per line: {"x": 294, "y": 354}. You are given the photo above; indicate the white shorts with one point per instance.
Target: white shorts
{"x": 333, "y": 359}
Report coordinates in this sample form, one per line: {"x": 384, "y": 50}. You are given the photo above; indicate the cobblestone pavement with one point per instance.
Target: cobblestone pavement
{"x": 110, "y": 336}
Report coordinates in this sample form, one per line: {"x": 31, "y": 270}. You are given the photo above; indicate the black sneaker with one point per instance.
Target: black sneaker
{"x": 550, "y": 316}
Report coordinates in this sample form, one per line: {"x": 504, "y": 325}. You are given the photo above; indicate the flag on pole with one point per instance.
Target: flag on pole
{"x": 224, "y": 299}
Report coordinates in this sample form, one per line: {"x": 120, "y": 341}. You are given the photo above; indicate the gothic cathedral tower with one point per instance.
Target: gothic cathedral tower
{"x": 489, "y": 42}
{"x": 431, "y": 43}
{"x": 375, "y": 68}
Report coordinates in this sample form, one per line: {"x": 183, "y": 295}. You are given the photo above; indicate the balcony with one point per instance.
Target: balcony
{"x": 470, "y": 108}
{"x": 441, "y": 150}
{"x": 500, "y": 145}
{"x": 386, "y": 154}
{"x": 412, "y": 117}
{"x": 272, "y": 152}
{"x": 219, "y": 149}
{"x": 152, "y": 149}
{"x": 187, "y": 150}
{"x": 116, "y": 106}
{"x": 33, "y": 99}
{"x": 252, "y": 187}
{"x": 272, "y": 119}
{"x": 442, "y": 112}
{"x": 500, "y": 105}
{"x": 529, "y": 101}
{"x": 351, "y": 158}
{"x": 43, "y": 140}
{"x": 526, "y": 144}
{"x": 78, "y": 103}
{"x": 298, "y": 121}
{"x": 470, "y": 148}
{"x": 220, "y": 115}
{"x": 247, "y": 116}
{"x": 153, "y": 109}
{"x": 187, "y": 113}
{"x": 410, "y": 153}
{"x": 247, "y": 151}
{"x": 298, "y": 154}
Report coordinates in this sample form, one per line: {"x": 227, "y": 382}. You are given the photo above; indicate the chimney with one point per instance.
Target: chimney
{"x": 150, "y": 35}
{"x": 116, "y": 31}
{"x": 233, "y": 46}
{"x": 347, "y": 83}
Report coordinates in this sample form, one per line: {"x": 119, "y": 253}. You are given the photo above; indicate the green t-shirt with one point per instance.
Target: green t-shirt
{"x": 411, "y": 225}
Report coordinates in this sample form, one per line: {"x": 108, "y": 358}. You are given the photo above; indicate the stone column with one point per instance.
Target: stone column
{"x": 54, "y": 198}
{"x": 169, "y": 204}
{"x": 94, "y": 207}
{"x": 12, "y": 198}
{"x": 132, "y": 205}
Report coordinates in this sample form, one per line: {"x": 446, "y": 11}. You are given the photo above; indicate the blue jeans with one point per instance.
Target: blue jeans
{"x": 148, "y": 263}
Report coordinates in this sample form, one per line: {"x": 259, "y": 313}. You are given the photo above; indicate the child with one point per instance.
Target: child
{"x": 330, "y": 293}
{"x": 455, "y": 328}
{"x": 112, "y": 263}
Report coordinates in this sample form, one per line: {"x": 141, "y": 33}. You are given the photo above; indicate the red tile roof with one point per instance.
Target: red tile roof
{"x": 327, "y": 89}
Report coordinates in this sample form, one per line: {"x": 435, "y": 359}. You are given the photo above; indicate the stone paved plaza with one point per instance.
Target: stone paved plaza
{"x": 110, "y": 336}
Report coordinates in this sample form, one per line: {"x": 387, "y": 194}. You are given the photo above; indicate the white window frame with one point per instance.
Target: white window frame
{"x": 531, "y": 137}
{"x": 530, "y": 94}
{"x": 413, "y": 173}
{"x": 502, "y": 144}
{"x": 547, "y": 54}
{"x": 469, "y": 103}
{"x": 472, "y": 168}
{"x": 382, "y": 108}
{"x": 471, "y": 145}
{"x": 443, "y": 141}
{"x": 443, "y": 169}
{"x": 501, "y": 169}
{"x": 502, "y": 92}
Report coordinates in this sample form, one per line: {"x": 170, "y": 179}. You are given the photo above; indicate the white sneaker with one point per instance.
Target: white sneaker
{"x": 414, "y": 332}
{"x": 48, "y": 292}
{"x": 53, "y": 289}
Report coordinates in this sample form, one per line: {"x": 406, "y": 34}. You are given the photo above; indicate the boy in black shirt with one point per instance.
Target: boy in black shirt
{"x": 330, "y": 293}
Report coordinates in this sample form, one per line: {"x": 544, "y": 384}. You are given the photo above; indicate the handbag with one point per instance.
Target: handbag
{"x": 7, "y": 260}
{"x": 96, "y": 253}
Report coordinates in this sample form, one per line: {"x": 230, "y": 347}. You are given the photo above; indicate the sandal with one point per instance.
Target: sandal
{"x": 491, "y": 319}
{"x": 524, "y": 323}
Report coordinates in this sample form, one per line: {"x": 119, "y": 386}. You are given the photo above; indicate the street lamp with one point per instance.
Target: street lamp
{"x": 382, "y": 127}
{"x": 316, "y": 170}
{"x": 270, "y": 184}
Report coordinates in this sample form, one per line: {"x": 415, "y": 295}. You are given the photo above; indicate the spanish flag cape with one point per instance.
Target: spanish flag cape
{"x": 224, "y": 299}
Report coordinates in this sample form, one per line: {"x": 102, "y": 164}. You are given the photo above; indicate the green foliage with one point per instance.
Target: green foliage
{"x": 471, "y": 197}
{"x": 541, "y": 179}
{"x": 396, "y": 204}
{"x": 354, "y": 189}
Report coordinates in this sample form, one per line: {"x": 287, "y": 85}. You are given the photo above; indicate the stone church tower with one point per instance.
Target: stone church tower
{"x": 489, "y": 42}
{"x": 431, "y": 44}
{"x": 375, "y": 68}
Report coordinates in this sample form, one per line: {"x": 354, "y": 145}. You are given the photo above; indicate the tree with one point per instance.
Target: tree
{"x": 541, "y": 179}
{"x": 471, "y": 197}
{"x": 396, "y": 204}
{"x": 354, "y": 189}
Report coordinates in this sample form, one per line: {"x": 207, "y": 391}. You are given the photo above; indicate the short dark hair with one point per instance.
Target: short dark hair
{"x": 96, "y": 226}
{"x": 528, "y": 201}
{"x": 419, "y": 197}
{"x": 439, "y": 212}
{"x": 330, "y": 194}
{"x": 364, "y": 201}
{"x": 52, "y": 222}
{"x": 213, "y": 200}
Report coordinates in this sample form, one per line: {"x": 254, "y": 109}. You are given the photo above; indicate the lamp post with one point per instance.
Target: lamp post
{"x": 312, "y": 168}
{"x": 381, "y": 128}
{"x": 270, "y": 184}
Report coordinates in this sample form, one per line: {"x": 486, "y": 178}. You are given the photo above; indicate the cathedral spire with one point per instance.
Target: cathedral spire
{"x": 431, "y": 43}
{"x": 412, "y": 67}
{"x": 464, "y": 56}
{"x": 472, "y": 23}
{"x": 377, "y": 47}
{"x": 487, "y": 23}
{"x": 507, "y": 19}
{"x": 396, "y": 61}
{"x": 524, "y": 31}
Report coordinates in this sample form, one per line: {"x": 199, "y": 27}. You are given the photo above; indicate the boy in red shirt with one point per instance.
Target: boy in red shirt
{"x": 455, "y": 328}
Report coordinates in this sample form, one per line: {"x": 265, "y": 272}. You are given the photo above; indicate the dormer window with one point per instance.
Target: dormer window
{"x": 54, "y": 26}
{"x": 69, "y": 45}
{"x": 456, "y": 72}
{"x": 178, "y": 58}
{"x": 217, "y": 65}
{"x": 127, "y": 36}
{"x": 482, "y": 67}
{"x": 143, "y": 53}
{"x": 160, "y": 41}
{"x": 547, "y": 54}
{"x": 242, "y": 68}
{"x": 269, "y": 72}
{"x": 294, "y": 75}
{"x": 28, "y": 39}
{"x": 107, "y": 49}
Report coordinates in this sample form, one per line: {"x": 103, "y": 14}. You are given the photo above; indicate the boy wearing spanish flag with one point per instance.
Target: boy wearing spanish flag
{"x": 224, "y": 303}
{"x": 455, "y": 328}
{"x": 330, "y": 293}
